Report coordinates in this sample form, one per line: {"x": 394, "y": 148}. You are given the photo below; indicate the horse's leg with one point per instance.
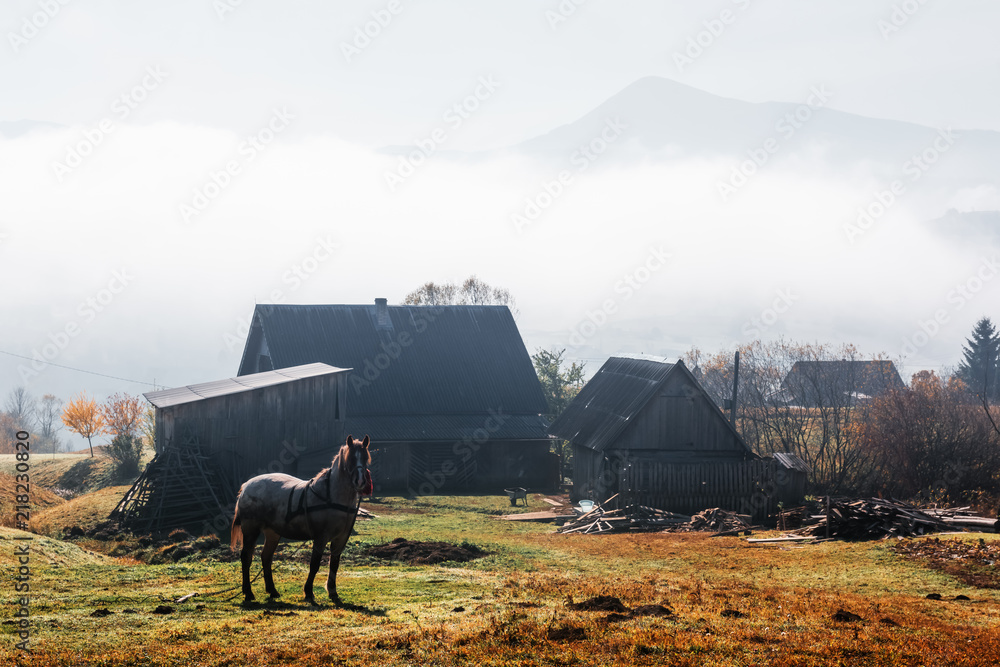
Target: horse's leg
{"x": 331, "y": 581}
{"x": 317, "y": 556}
{"x": 250, "y": 536}
{"x": 271, "y": 539}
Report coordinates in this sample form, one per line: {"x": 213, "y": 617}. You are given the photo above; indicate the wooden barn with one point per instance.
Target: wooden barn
{"x": 645, "y": 429}
{"x": 212, "y": 437}
{"x": 448, "y": 394}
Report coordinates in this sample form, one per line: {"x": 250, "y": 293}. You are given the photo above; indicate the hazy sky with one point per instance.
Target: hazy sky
{"x": 274, "y": 114}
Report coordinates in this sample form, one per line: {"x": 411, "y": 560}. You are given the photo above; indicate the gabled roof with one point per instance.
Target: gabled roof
{"x": 195, "y": 392}
{"x": 420, "y": 372}
{"x": 622, "y": 387}
{"x": 815, "y": 381}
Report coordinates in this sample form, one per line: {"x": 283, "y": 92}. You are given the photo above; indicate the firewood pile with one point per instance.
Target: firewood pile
{"x": 873, "y": 518}
{"x": 719, "y": 521}
{"x": 632, "y": 518}
{"x": 639, "y": 518}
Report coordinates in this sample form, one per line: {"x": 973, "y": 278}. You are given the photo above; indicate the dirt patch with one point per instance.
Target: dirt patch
{"x": 600, "y": 603}
{"x": 425, "y": 553}
{"x": 972, "y": 563}
{"x": 844, "y": 616}
{"x": 653, "y": 610}
{"x": 566, "y": 633}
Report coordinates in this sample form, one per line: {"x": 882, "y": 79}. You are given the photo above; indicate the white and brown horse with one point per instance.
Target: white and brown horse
{"x": 322, "y": 509}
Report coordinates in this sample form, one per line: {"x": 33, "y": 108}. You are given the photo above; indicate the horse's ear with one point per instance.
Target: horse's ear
{"x": 365, "y": 441}
{"x": 350, "y": 439}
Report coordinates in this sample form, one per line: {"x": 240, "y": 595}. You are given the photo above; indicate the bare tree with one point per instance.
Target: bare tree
{"x": 49, "y": 415}
{"x": 473, "y": 292}
{"x": 431, "y": 294}
{"x": 22, "y": 408}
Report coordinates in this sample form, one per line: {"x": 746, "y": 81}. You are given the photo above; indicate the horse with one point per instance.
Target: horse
{"x": 322, "y": 509}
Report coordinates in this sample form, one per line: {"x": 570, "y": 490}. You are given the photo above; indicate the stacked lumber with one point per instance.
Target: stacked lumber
{"x": 631, "y": 518}
{"x": 873, "y": 518}
{"x": 719, "y": 521}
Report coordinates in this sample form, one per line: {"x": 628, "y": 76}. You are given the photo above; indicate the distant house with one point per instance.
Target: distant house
{"x": 644, "y": 430}
{"x": 845, "y": 382}
{"x": 447, "y": 394}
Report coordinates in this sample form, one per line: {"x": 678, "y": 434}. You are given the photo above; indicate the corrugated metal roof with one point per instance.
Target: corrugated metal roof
{"x": 388, "y": 428}
{"x": 196, "y": 392}
{"x": 616, "y": 393}
{"x": 791, "y": 461}
{"x": 424, "y": 363}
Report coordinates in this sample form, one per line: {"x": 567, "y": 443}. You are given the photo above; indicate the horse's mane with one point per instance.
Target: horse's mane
{"x": 339, "y": 460}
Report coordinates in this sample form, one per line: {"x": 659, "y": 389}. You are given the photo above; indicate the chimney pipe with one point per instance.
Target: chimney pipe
{"x": 382, "y": 312}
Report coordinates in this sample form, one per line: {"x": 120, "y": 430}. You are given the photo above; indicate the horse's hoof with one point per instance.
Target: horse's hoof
{"x": 274, "y": 595}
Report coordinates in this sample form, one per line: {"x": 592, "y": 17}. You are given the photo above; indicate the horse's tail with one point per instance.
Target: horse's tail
{"x": 236, "y": 534}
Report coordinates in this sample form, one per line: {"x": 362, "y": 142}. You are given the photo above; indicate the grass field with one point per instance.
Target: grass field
{"x": 732, "y": 603}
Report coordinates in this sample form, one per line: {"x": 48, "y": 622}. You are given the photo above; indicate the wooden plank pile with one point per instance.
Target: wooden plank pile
{"x": 636, "y": 518}
{"x": 873, "y": 518}
{"x": 720, "y": 521}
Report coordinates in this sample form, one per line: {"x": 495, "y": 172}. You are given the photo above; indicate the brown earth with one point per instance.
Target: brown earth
{"x": 424, "y": 553}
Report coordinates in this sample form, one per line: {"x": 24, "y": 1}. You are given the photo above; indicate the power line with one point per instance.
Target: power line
{"x": 80, "y": 370}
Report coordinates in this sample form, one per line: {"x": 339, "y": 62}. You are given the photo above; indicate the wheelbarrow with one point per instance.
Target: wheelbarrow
{"x": 515, "y": 493}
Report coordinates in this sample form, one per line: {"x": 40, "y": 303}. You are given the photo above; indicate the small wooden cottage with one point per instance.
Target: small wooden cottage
{"x": 448, "y": 394}
{"x": 839, "y": 382}
{"x": 645, "y": 429}
{"x": 212, "y": 437}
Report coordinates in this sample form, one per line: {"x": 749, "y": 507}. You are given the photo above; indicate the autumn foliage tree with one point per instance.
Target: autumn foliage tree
{"x": 931, "y": 440}
{"x": 123, "y": 415}
{"x": 84, "y": 416}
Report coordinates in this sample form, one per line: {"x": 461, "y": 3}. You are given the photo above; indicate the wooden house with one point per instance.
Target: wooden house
{"x": 645, "y": 429}
{"x": 448, "y": 394}
{"x": 212, "y": 437}
{"x": 813, "y": 384}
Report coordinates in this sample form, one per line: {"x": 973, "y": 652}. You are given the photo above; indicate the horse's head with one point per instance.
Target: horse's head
{"x": 354, "y": 460}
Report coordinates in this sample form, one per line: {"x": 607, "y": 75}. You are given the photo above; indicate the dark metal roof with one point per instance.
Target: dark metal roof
{"x": 791, "y": 461}
{"x": 827, "y": 382}
{"x": 196, "y": 392}
{"x": 615, "y": 395}
{"x": 417, "y": 366}
{"x": 603, "y": 408}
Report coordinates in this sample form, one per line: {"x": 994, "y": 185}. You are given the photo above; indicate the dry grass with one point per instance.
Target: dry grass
{"x": 39, "y": 497}
{"x": 84, "y": 511}
{"x": 510, "y": 608}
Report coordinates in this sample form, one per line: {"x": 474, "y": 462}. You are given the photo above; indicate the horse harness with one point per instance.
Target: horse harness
{"x": 328, "y": 504}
